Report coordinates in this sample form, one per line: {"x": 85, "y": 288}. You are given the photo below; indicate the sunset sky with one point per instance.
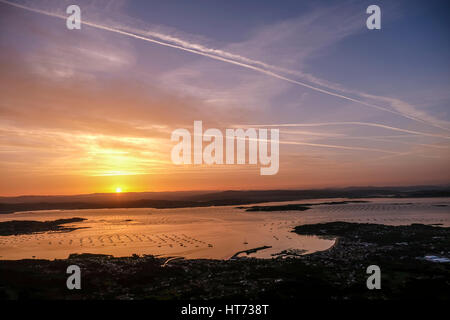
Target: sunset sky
{"x": 92, "y": 110}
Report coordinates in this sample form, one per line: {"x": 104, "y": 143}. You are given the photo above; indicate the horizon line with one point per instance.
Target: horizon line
{"x": 446, "y": 185}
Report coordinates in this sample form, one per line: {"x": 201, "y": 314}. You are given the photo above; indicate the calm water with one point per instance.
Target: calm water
{"x": 215, "y": 232}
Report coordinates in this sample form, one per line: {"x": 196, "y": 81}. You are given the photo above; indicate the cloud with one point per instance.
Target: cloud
{"x": 70, "y": 60}
{"x": 255, "y": 65}
{"x": 102, "y": 104}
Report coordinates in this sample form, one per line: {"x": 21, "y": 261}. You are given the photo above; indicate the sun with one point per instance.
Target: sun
{"x": 118, "y": 190}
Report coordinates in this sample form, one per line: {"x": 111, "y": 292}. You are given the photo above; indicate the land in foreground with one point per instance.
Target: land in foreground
{"x": 407, "y": 255}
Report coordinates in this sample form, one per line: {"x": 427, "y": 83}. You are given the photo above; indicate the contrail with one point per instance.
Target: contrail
{"x": 246, "y": 64}
{"x": 370, "y": 124}
{"x": 289, "y": 142}
{"x": 371, "y": 138}
{"x": 338, "y": 147}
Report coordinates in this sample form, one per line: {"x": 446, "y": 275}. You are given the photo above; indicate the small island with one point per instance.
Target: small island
{"x": 297, "y": 206}
{"x": 18, "y": 227}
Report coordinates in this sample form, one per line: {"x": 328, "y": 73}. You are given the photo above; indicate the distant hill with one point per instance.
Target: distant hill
{"x": 102, "y": 197}
{"x": 204, "y": 198}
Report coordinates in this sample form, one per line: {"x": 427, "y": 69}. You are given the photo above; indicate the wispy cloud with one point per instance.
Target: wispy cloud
{"x": 402, "y": 109}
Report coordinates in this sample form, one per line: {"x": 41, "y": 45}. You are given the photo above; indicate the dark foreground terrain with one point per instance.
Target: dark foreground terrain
{"x": 338, "y": 273}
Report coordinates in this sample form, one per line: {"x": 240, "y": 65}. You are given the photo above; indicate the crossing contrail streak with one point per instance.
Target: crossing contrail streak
{"x": 320, "y": 145}
{"x": 332, "y": 146}
{"x": 227, "y": 60}
{"x": 369, "y": 124}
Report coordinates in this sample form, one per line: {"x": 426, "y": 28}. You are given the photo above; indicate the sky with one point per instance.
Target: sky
{"x": 92, "y": 110}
